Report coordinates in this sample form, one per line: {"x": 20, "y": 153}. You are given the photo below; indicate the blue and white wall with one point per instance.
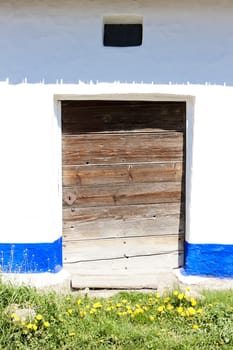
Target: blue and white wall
{"x": 52, "y": 50}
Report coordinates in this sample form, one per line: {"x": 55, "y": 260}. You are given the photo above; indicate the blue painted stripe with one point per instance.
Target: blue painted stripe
{"x": 213, "y": 260}
{"x": 31, "y": 257}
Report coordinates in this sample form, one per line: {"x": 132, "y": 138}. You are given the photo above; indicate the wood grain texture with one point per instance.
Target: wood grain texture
{"x": 122, "y": 115}
{"x": 135, "y": 265}
{"x": 123, "y": 187}
{"x": 161, "y": 192}
{"x": 121, "y": 281}
{"x": 122, "y": 148}
{"x": 164, "y": 225}
{"x": 115, "y": 248}
{"x": 116, "y": 174}
{"x": 124, "y": 212}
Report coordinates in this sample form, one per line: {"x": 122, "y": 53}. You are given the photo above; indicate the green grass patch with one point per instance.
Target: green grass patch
{"x": 128, "y": 321}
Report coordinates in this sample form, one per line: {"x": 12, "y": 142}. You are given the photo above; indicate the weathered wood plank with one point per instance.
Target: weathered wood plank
{"x": 162, "y": 192}
{"x": 123, "y": 281}
{"x": 116, "y": 248}
{"x": 163, "y": 225}
{"x": 122, "y": 115}
{"x": 136, "y": 265}
{"x": 114, "y": 174}
{"x": 120, "y": 148}
{"x": 130, "y": 212}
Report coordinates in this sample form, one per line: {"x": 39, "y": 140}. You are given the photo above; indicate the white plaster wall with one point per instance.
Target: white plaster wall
{"x": 183, "y": 41}
{"x": 29, "y": 175}
{"x": 212, "y": 168}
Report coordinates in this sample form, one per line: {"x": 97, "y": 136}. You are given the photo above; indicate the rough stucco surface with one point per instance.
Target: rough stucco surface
{"x": 182, "y": 41}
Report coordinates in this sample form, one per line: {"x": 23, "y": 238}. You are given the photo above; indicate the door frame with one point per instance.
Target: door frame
{"x": 190, "y": 103}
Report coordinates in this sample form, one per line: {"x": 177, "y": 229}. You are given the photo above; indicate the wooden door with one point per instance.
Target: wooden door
{"x": 123, "y": 186}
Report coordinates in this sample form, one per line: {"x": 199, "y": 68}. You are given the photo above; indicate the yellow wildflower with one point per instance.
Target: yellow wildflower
{"x": 72, "y": 334}
{"x": 175, "y": 292}
{"x": 191, "y": 311}
{"x": 166, "y": 300}
{"x": 68, "y": 299}
{"x": 34, "y": 327}
{"x": 46, "y": 324}
{"x": 82, "y": 313}
{"x": 188, "y": 289}
{"x": 93, "y": 311}
{"x": 97, "y": 305}
{"x": 69, "y": 311}
{"x": 151, "y": 318}
{"x": 124, "y": 301}
{"x": 195, "y": 326}
{"x": 193, "y": 302}
{"x": 79, "y": 301}
{"x": 138, "y": 311}
{"x": 180, "y": 296}
{"x": 30, "y": 326}
{"x": 39, "y": 317}
{"x": 157, "y": 295}
{"x": 179, "y": 309}
{"x": 170, "y": 307}
{"x": 13, "y": 315}
{"x": 200, "y": 311}
{"x": 160, "y": 308}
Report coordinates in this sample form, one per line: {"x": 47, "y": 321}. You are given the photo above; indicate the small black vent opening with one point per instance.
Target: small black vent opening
{"x": 122, "y": 35}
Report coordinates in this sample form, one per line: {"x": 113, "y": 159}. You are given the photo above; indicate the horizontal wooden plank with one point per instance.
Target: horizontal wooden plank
{"x": 135, "y": 265}
{"x": 120, "y": 148}
{"x": 163, "y": 225}
{"x": 114, "y": 174}
{"x": 97, "y": 116}
{"x": 120, "y": 247}
{"x": 130, "y": 212}
{"x": 88, "y": 196}
{"x": 121, "y": 281}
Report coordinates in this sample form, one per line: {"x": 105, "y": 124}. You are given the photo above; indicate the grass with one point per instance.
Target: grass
{"x": 128, "y": 321}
